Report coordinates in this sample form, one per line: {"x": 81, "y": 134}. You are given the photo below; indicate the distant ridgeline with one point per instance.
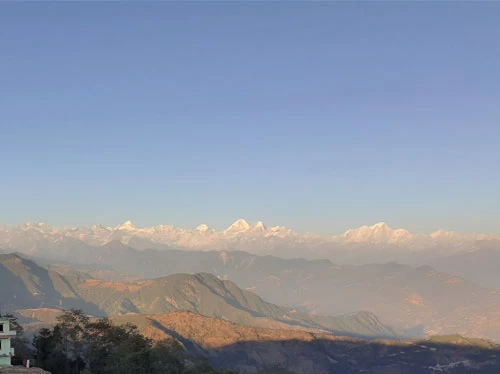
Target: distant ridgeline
{"x": 33, "y": 286}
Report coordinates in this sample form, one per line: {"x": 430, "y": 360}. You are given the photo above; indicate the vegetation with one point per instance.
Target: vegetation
{"x": 78, "y": 345}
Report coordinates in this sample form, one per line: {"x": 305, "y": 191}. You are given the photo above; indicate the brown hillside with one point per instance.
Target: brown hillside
{"x": 212, "y": 333}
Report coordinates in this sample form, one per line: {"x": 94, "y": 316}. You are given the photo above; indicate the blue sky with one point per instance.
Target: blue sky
{"x": 318, "y": 116}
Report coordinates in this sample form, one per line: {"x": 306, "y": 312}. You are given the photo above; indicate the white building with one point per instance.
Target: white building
{"x": 6, "y": 352}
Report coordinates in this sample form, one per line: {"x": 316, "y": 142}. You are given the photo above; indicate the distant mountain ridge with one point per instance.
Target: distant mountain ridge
{"x": 241, "y": 235}
{"x": 32, "y": 286}
{"x": 419, "y": 300}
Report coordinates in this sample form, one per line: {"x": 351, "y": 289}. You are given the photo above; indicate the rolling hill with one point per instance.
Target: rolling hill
{"x": 419, "y": 300}
{"x": 33, "y": 287}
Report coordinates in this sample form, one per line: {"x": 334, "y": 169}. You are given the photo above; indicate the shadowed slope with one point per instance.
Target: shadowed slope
{"x": 250, "y": 349}
{"x": 25, "y": 284}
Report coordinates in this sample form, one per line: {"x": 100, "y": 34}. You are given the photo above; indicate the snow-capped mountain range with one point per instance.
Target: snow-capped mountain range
{"x": 256, "y": 238}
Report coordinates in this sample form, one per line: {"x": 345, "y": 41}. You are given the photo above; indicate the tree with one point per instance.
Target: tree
{"x": 168, "y": 356}
{"x": 48, "y": 351}
{"x": 73, "y": 325}
{"x": 79, "y": 345}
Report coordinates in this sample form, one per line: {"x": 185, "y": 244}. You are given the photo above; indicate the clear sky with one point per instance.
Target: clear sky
{"x": 318, "y": 116}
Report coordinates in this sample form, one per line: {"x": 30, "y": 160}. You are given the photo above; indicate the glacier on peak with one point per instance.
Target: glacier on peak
{"x": 378, "y": 233}
{"x": 203, "y": 228}
{"x": 36, "y": 225}
{"x": 127, "y": 225}
{"x": 446, "y": 235}
{"x": 240, "y": 235}
{"x": 238, "y": 226}
{"x": 259, "y": 226}
{"x": 380, "y": 225}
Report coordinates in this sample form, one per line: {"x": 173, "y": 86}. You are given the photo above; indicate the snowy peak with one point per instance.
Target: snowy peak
{"x": 380, "y": 231}
{"x": 377, "y": 233}
{"x": 238, "y": 226}
{"x": 444, "y": 235}
{"x": 381, "y": 226}
{"x": 126, "y": 226}
{"x": 203, "y": 228}
{"x": 256, "y": 238}
{"x": 259, "y": 227}
{"x": 36, "y": 225}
